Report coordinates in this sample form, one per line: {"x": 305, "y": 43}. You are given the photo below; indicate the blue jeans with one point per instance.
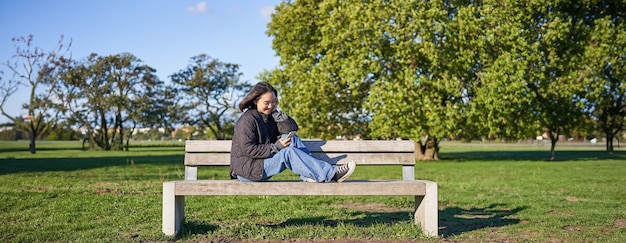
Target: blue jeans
{"x": 297, "y": 158}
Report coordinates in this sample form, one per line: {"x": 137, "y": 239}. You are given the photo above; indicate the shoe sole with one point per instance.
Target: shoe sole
{"x": 351, "y": 166}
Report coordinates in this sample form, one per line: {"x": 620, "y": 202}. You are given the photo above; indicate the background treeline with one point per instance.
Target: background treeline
{"x": 421, "y": 70}
{"x": 106, "y": 100}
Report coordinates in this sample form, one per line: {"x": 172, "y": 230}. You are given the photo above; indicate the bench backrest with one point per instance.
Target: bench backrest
{"x": 363, "y": 152}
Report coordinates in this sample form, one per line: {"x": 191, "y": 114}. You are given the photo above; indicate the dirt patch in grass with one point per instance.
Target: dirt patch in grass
{"x": 561, "y": 213}
{"x": 36, "y": 189}
{"x": 572, "y": 199}
{"x": 619, "y": 224}
{"x": 372, "y": 207}
{"x": 119, "y": 192}
{"x": 228, "y": 240}
{"x": 106, "y": 184}
{"x": 574, "y": 228}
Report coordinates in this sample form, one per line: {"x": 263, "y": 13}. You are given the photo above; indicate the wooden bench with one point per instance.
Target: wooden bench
{"x": 216, "y": 152}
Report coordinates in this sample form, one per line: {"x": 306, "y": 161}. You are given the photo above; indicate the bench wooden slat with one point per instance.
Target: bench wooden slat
{"x": 371, "y": 146}
{"x": 283, "y": 188}
{"x": 199, "y": 159}
{"x": 214, "y": 146}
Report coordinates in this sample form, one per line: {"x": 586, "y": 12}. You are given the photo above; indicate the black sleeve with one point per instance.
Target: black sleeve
{"x": 285, "y": 123}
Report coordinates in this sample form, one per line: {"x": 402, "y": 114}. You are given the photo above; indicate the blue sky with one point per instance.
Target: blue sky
{"x": 164, "y": 34}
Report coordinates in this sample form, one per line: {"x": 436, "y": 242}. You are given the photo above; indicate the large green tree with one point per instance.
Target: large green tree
{"x": 554, "y": 54}
{"x": 34, "y": 68}
{"x": 398, "y": 69}
{"x": 564, "y": 30}
{"x": 604, "y": 73}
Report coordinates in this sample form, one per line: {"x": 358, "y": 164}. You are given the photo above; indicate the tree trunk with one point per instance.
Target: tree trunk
{"x": 429, "y": 150}
{"x": 90, "y": 136}
{"x": 552, "y": 147}
{"x": 130, "y": 134}
{"x": 32, "y": 147}
{"x": 103, "y": 136}
{"x": 32, "y": 135}
{"x": 609, "y": 142}
{"x": 610, "y": 136}
{"x": 120, "y": 124}
{"x": 92, "y": 141}
{"x": 554, "y": 136}
{"x": 113, "y": 136}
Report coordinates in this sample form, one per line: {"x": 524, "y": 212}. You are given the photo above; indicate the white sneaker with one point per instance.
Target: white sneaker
{"x": 310, "y": 180}
{"x": 344, "y": 171}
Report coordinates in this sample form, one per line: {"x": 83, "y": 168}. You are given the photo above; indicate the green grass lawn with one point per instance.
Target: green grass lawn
{"x": 487, "y": 192}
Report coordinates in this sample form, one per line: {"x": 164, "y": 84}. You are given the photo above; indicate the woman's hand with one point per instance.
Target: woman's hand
{"x": 279, "y": 116}
{"x": 285, "y": 141}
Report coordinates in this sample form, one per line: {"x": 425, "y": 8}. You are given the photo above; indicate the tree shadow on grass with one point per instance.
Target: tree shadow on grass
{"x": 512, "y": 155}
{"x": 12, "y": 165}
{"x": 456, "y": 220}
{"x": 73, "y": 147}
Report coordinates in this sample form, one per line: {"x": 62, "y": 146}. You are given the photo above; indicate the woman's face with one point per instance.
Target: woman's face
{"x": 267, "y": 103}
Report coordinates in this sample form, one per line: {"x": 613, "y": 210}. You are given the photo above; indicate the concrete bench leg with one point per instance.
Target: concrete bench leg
{"x": 173, "y": 209}
{"x": 427, "y": 211}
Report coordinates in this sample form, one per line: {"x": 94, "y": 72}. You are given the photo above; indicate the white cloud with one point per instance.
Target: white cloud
{"x": 267, "y": 12}
{"x": 200, "y": 8}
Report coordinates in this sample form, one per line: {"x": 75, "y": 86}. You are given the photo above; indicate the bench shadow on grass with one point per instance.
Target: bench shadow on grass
{"x": 452, "y": 220}
{"x": 190, "y": 228}
{"x": 510, "y": 155}
{"x": 370, "y": 219}
{"x": 455, "y": 220}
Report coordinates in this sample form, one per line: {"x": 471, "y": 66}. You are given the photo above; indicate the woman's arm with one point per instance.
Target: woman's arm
{"x": 285, "y": 123}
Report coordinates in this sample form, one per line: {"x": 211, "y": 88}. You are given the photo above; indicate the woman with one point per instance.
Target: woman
{"x": 258, "y": 153}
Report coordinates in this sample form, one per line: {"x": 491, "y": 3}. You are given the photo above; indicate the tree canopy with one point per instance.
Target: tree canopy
{"x": 426, "y": 70}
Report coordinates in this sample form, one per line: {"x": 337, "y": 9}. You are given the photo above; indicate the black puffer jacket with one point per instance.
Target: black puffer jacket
{"x": 254, "y": 141}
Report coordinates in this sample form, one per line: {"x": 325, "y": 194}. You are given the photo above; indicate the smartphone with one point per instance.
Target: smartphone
{"x": 290, "y": 135}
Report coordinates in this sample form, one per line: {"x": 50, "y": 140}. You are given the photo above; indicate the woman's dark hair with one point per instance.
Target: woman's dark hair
{"x": 259, "y": 89}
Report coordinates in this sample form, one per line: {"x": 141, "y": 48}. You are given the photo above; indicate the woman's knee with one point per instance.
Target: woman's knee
{"x": 290, "y": 149}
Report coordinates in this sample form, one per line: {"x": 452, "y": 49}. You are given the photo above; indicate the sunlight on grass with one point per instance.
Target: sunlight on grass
{"x": 487, "y": 192}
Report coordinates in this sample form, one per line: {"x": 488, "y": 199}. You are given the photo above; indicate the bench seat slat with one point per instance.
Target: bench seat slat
{"x": 355, "y": 188}
{"x": 224, "y": 146}
{"x": 199, "y": 159}
{"x": 360, "y": 146}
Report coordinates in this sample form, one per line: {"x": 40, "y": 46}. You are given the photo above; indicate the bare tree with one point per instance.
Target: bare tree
{"x": 32, "y": 67}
